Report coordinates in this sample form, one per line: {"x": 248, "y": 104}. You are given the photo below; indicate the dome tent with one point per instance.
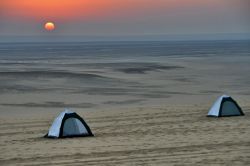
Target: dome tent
{"x": 69, "y": 124}
{"x": 225, "y": 106}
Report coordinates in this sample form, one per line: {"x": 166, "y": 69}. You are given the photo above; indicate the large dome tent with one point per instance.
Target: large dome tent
{"x": 225, "y": 106}
{"x": 69, "y": 124}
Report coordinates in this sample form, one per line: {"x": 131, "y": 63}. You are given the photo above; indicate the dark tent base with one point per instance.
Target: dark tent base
{"x": 224, "y": 116}
{"x": 71, "y": 136}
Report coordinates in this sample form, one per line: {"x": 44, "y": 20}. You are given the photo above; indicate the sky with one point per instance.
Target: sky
{"x": 124, "y": 18}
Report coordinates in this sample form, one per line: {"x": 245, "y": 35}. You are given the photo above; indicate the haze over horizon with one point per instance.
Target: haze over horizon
{"x": 129, "y": 20}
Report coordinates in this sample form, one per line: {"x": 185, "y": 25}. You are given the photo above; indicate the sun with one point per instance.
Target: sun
{"x": 49, "y": 26}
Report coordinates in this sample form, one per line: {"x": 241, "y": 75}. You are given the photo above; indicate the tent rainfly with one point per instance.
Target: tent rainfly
{"x": 69, "y": 124}
{"x": 225, "y": 106}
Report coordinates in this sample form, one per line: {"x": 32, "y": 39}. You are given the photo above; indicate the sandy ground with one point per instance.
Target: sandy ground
{"x": 145, "y": 113}
{"x": 180, "y": 135}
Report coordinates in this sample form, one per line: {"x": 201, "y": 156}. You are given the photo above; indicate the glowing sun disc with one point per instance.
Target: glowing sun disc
{"x": 49, "y": 26}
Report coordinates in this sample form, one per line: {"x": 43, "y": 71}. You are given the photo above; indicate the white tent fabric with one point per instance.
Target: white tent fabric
{"x": 71, "y": 126}
{"x": 55, "y": 128}
{"x": 214, "y": 110}
{"x": 225, "y": 106}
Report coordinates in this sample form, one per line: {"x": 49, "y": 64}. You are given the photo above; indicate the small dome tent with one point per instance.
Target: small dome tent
{"x": 225, "y": 106}
{"x": 69, "y": 124}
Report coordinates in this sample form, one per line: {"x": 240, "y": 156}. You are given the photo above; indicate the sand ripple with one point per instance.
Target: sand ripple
{"x": 153, "y": 136}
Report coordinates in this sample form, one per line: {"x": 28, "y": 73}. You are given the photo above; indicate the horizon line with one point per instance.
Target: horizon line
{"x": 110, "y": 38}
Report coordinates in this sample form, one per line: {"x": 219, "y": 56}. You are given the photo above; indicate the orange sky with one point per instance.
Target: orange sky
{"x": 124, "y": 17}
{"x": 55, "y": 9}
{"x": 88, "y": 9}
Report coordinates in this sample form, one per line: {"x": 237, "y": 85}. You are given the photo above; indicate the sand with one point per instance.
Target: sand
{"x": 180, "y": 135}
{"x": 148, "y": 110}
